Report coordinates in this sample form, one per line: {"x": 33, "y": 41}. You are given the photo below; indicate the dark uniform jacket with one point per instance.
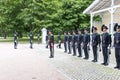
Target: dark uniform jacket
{"x": 15, "y": 37}
{"x": 51, "y": 41}
{"x": 74, "y": 39}
{"x": 80, "y": 38}
{"x": 117, "y": 40}
{"x": 31, "y": 38}
{"x": 46, "y": 37}
{"x": 69, "y": 38}
{"x": 86, "y": 39}
{"x": 96, "y": 39}
{"x": 59, "y": 38}
{"x": 65, "y": 38}
{"x": 106, "y": 39}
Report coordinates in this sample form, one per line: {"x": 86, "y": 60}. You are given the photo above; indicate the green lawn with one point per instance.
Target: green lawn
{"x": 20, "y": 40}
{"x": 26, "y": 39}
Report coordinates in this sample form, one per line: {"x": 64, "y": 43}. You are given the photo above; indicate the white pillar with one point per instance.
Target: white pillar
{"x": 91, "y": 22}
{"x": 112, "y": 15}
{"x": 44, "y": 33}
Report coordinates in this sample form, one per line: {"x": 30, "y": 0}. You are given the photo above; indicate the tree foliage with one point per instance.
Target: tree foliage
{"x": 24, "y": 16}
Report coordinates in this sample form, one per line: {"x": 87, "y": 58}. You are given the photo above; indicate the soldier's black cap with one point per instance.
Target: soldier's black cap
{"x": 74, "y": 31}
{"x": 86, "y": 29}
{"x": 78, "y": 30}
{"x": 115, "y": 26}
{"x": 49, "y": 30}
{"x": 103, "y": 27}
{"x": 118, "y": 26}
{"x": 93, "y": 28}
{"x": 69, "y": 32}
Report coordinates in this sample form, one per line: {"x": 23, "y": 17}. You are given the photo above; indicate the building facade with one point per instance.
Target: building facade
{"x": 109, "y": 11}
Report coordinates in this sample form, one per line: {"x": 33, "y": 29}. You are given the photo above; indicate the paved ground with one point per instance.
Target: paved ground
{"x": 34, "y": 64}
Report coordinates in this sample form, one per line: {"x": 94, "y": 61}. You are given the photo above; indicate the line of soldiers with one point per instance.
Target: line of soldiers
{"x": 75, "y": 41}
{"x": 82, "y": 41}
{"x": 31, "y": 40}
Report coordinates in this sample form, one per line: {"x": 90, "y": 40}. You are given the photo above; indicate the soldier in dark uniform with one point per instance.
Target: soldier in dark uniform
{"x": 69, "y": 42}
{"x": 65, "y": 41}
{"x": 86, "y": 43}
{"x": 95, "y": 42}
{"x": 117, "y": 47}
{"x": 51, "y": 44}
{"x": 106, "y": 43}
{"x": 79, "y": 42}
{"x": 59, "y": 41}
{"x": 47, "y": 43}
{"x": 74, "y": 43}
{"x": 31, "y": 40}
{"x": 15, "y": 40}
{"x": 38, "y": 38}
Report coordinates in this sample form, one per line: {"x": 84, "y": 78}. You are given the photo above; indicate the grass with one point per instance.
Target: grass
{"x": 20, "y": 40}
{"x": 26, "y": 39}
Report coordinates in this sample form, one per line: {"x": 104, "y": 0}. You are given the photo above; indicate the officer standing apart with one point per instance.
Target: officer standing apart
{"x": 15, "y": 40}
{"x": 79, "y": 42}
{"x": 74, "y": 43}
{"x": 95, "y": 42}
{"x": 106, "y": 42}
{"x": 59, "y": 41}
{"x": 38, "y": 38}
{"x": 117, "y": 47}
{"x": 51, "y": 44}
{"x": 69, "y": 42}
{"x": 65, "y": 41}
{"x": 86, "y": 43}
{"x": 31, "y": 40}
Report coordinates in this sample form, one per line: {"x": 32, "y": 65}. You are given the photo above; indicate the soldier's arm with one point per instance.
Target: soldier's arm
{"x": 99, "y": 39}
{"x": 114, "y": 40}
{"x": 109, "y": 39}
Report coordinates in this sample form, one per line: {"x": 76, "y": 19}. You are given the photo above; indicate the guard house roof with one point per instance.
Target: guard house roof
{"x": 99, "y": 5}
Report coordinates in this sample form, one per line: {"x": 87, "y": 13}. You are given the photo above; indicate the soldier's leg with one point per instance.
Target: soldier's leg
{"x": 69, "y": 48}
{"x": 103, "y": 51}
{"x": 65, "y": 46}
{"x": 95, "y": 53}
{"x": 14, "y": 45}
{"x": 79, "y": 49}
{"x": 31, "y": 45}
{"x": 85, "y": 51}
{"x": 50, "y": 52}
{"x": 106, "y": 55}
{"x": 46, "y": 44}
{"x": 117, "y": 57}
{"x": 60, "y": 45}
{"x": 74, "y": 51}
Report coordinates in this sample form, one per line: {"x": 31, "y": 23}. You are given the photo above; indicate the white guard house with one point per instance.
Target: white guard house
{"x": 109, "y": 11}
{"x": 44, "y": 33}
